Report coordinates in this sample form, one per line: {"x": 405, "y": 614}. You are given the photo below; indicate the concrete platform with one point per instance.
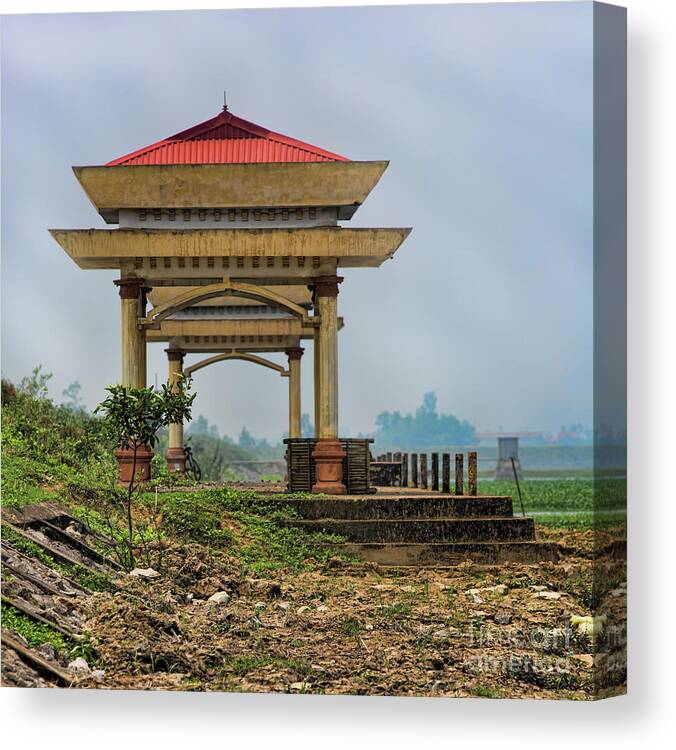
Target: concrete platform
{"x": 405, "y": 526}
{"x": 427, "y": 530}
{"x": 388, "y": 506}
{"x": 446, "y": 555}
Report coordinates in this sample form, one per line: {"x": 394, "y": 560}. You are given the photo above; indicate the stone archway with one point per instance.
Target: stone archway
{"x": 236, "y": 355}
{"x": 226, "y": 288}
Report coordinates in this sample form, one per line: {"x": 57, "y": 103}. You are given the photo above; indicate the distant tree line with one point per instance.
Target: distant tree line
{"x": 251, "y": 446}
{"x": 219, "y": 456}
{"x": 424, "y": 429}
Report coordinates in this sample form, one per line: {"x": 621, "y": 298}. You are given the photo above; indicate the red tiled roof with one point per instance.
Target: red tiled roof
{"x": 226, "y": 139}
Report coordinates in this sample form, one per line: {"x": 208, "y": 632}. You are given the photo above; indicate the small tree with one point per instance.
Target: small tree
{"x": 35, "y": 384}
{"x": 245, "y": 439}
{"x": 135, "y": 415}
{"x": 73, "y": 399}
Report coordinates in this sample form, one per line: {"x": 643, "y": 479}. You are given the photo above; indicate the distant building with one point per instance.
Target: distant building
{"x": 525, "y": 437}
{"x": 508, "y": 452}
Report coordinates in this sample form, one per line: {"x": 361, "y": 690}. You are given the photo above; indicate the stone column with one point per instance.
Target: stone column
{"x": 133, "y": 337}
{"x": 175, "y": 452}
{"x": 143, "y": 350}
{"x": 317, "y": 381}
{"x": 132, "y": 299}
{"x": 294, "y": 356}
{"x": 328, "y": 454}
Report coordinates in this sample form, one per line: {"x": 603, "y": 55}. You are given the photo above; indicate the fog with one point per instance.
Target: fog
{"x": 485, "y": 114}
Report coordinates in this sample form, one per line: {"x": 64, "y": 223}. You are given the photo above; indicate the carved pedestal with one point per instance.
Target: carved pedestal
{"x": 176, "y": 461}
{"x": 328, "y": 456}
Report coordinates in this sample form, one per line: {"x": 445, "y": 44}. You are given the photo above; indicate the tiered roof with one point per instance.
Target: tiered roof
{"x": 227, "y": 139}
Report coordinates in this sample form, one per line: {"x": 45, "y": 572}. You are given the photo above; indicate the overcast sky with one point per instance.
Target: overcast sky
{"x": 485, "y": 113}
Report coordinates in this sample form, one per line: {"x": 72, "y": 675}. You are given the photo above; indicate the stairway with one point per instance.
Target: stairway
{"x": 412, "y": 527}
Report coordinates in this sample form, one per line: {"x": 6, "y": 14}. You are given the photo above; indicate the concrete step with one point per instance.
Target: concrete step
{"x": 377, "y": 508}
{"x": 448, "y": 554}
{"x": 425, "y": 530}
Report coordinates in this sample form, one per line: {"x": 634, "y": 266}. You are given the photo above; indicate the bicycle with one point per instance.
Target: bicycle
{"x": 192, "y": 468}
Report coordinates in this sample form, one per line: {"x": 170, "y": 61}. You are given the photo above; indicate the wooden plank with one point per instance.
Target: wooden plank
{"x": 79, "y": 544}
{"x": 53, "y": 551}
{"x": 35, "y": 580}
{"x": 36, "y": 661}
{"x": 28, "y": 514}
{"x": 35, "y": 615}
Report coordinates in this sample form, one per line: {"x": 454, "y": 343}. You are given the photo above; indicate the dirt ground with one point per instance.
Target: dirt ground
{"x": 356, "y": 629}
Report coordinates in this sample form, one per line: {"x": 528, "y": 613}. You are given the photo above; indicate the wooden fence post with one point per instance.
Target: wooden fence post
{"x": 423, "y": 470}
{"x": 459, "y": 474}
{"x": 446, "y": 473}
{"x": 396, "y": 458}
{"x": 404, "y": 469}
{"x": 435, "y": 472}
{"x": 471, "y": 472}
{"x": 414, "y": 469}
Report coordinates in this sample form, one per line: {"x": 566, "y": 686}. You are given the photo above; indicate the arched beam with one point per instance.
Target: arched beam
{"x": 236, "y": 355}
{"x": 225, "y": 288}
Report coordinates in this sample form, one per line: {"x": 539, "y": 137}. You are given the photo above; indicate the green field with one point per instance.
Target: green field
{"x": 563, "y": 494}
{"x": 569, "y": 503}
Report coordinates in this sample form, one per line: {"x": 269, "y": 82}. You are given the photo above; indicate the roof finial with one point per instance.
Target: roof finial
{"x": 225, "y": 101}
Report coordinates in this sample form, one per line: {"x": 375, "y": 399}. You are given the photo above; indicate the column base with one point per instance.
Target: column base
{"x": 176, "y": 461}
{"x": 328, "y": 456}
{"x": 125, "y": 463}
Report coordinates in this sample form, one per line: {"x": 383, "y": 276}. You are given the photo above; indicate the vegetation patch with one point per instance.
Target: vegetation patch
{"x": 44, "y": 445}
{"x": 563, "y": 494}
{"x": 35, "y": 633}
{"x": 87, "y": 579}
{"x": 250, "y": 526}
{"x": 581, "y": 520}
{"x": 396, "y": 610}
{"x": 352, "y": 627}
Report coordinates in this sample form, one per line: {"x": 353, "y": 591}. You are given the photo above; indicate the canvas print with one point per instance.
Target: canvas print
{"x": 314, "y": 351}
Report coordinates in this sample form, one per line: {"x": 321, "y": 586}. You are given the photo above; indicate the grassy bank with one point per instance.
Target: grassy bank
{"x": 52, "y": 453}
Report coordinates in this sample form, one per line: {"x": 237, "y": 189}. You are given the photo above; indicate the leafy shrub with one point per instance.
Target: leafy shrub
{"x": 44, "y": 445}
